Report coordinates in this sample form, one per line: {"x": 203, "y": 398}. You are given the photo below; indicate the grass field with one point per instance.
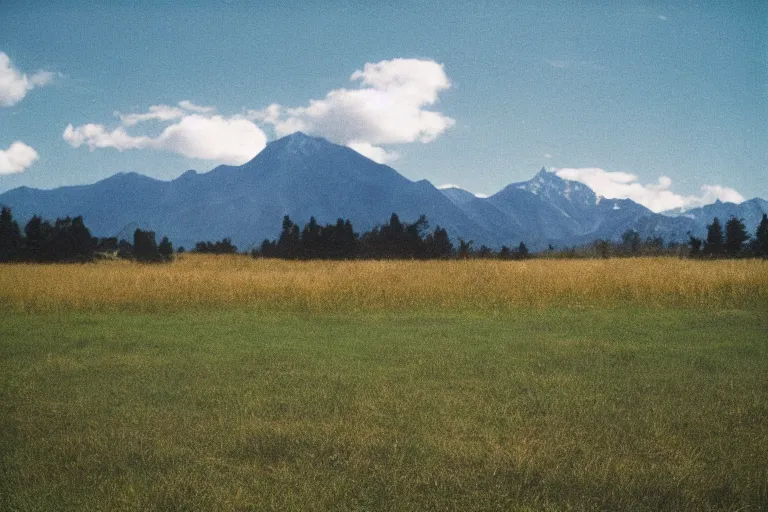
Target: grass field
{"x": 237, "y": 384}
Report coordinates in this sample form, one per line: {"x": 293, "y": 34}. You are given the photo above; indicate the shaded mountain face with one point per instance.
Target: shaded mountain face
{"x": 750, "y": 212}
{"x": 458, "y": 195}
{"x": 297, "y": 175}
{"x": 548, "y": 210}
{"x": 304, "y": 176}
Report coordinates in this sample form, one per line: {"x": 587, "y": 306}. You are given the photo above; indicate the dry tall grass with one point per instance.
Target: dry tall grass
{"x": 227, "y": 281}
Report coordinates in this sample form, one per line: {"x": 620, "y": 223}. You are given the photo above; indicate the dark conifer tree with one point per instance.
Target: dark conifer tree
{"x": 63, "y": 244}
{"x": 484, "y": 252}
{"x": 288, "y": 243}
{"x": 82, "y": 241}
{"x": 145, "y": 246}
{"x": 310, "y": 240}
{"x": 11, "y": 242}
{"x": 522, "y": 250}
{"x": 735, "y": 236}
{"x": 465, "y": 248}
{"x": 630, "y": 239}
{"x": 695, "y": 244}
{"x": 165, "y": 248}
{"x": 761, "y": 238}
{"x": 38, "y": 234}
{"x": 714, "y": 243}
{"x": 438, "y": 244}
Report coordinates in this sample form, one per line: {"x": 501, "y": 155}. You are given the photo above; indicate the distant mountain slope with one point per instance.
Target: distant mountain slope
{"x": 303, "y": 176}
{"x": 297, "y": 175}
{"x": 750, "y": 212}
{"x": 548, "y": 210}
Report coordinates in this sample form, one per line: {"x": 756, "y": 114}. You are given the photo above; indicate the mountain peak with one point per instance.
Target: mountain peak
{"x": 551, "y": 187}
{"x": 301, "y": 144}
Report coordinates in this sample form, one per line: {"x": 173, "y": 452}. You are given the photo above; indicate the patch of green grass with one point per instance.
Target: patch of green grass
{"x": 609, "y": 409}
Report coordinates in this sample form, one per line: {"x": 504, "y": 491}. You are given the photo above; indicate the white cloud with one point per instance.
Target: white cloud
{"x": 14, "y": 85}
{"x": 156, "y": 113}
{"x": 375, "y": 153}
{"x": 164, "y": 113}
{"x": 389, "y": 107}
{"x": 657, "y": 196}
{"x": 188, "y": 105}
{"x": 96, "y": 136}
{"x": 269, "y": 115}
{"x": 662, "y": 17}
{"x": 17, "y": 158}
{"x": 231, "y": 140}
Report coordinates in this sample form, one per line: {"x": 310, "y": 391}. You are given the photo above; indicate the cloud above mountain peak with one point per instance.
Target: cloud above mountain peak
{"x": 657, "y": 197}
{"x": 389, "y": 107}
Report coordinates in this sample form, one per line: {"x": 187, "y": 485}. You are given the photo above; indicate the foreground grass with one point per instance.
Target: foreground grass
{"x": 198, "y": 281}
{"x": 622, "y": 408}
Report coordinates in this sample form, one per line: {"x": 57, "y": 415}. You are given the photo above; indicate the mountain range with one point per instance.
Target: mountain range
{"x": 305, "y": 176}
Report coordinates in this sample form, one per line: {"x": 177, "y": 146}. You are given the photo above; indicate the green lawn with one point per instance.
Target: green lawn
{"x": 608, "y": 409}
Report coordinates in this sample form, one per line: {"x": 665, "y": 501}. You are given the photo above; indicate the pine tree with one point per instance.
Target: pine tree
{"x": 288, "y": 243}
{"x": 465, "y": 248}
{"x": 145, "y": 246}
{"x": 761, "y": 238}
{"x": 11, "y": 242}
{"x": 713, "y": 246}
{"x": 438, "y": 244}
{"x": 735, "y": 236}
{"x": 165, "y": 248}
{"x": 695, "y": 244}
{"x": 631, "y": 241}
{"x": 82, "y": 241}
{"x": 38, "y": 234}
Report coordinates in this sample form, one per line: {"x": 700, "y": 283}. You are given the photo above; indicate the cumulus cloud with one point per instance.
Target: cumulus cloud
{"x": 269, "y": 115}
{"x": 231, "y": 140}
{"x": 188, "y": 105}
{"x": 388, "y": 107}
{"x": 657, "y": 196}
{"x": 375, "y": 153}
{"x": 164, "y": 113}
{"x": 14, "y": 84}
{"x": 17, "y": 158}
{"x": 156, "y": 113}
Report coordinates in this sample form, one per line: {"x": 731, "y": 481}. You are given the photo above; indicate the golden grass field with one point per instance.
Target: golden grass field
{"x": 349, "y": 286}
{"x": 538, "y": 385}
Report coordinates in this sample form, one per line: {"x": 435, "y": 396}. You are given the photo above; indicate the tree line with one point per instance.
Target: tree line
{"x": 68, "y": 240}
{"x": 394, "y": 239}
{"x": 731, "y": 242}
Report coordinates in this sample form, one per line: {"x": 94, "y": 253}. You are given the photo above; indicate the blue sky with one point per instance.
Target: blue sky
{"x": 663, "y": 102}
